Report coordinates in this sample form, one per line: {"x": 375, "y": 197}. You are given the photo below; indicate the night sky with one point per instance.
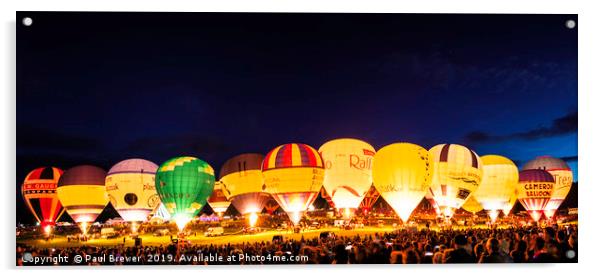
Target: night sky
{"x": 98, "y": 88}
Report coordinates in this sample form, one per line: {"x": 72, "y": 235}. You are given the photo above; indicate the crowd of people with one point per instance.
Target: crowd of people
{"x": 511, "y": 245}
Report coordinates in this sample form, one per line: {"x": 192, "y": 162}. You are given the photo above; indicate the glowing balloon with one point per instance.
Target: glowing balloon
{"x": 131, "y": 188}
{"x": 39, "y": 192}
{"x": 429, "y": 198}
{"x": 271, "y": 206}
{"x": 183, "y": 184}
{"x": 402, "y": 174}
{"x": 293, "y": 175}
{"x": 347, "y": 171}
{"x": 243, "y": 183}
{"x": 370, "y": 199}
{"x": 535, "y": 188}
{"x": 81, "y": 190}
{"x": 563, "y": 177}
{"x": 457, "y": 174}
{"x": 472, "y": 205}
{"x": 498, "y": 186}
{"x": 161, "y": 213}
{"x": 509, "y": 205}
{"x": 326, "y": 197}
{"x": 219, "y": 199}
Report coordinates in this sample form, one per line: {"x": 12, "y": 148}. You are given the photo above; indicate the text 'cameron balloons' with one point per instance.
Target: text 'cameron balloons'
{"x": 402, "y": 174}
{"x": 498, "y": 186}
{"x": 183, "y": 184}
{"x": 293, "y": 175}
{"x": 563, "y": 178}
{"x": 219, "y": 199}
{"x": 39, "y": 192}
{"x": 347, "y": 171}
{"x": 131, "y": 188}
{"x": 457, "y": 174}
{"x": 535, "y": 189}
{"x": 243, "y": 182}
{"x": 81, "y": 190}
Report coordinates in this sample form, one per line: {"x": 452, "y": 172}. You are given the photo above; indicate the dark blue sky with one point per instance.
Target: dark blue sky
{"x": 102, "y": 87}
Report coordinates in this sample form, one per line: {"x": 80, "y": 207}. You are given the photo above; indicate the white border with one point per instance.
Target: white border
{"x": 589, "y": 23}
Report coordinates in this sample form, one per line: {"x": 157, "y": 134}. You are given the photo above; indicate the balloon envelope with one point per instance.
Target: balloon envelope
{"x": 219, "y": 198}
{"x": 563, "y": 180}
{"x": 402, "y": 174}
{"x": 243, "y": 183}
{"x": 370, "y": 199}
{"x": 498, "y": 186}
{"x": 457, "y": 174}
{"x": 293, "y": 175}
{"x": 183, "y": 184}
{"x": 39, "y": 193}
{"x": 347, "y": 170}
{"x": 535, "y": 189}
{"x": 130, "y": 185}
{"x": 472, "y": 205}
{"x": 81, "y": 190}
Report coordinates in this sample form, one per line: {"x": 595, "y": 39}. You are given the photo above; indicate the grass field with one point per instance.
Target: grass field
{"x": 151, "y": 240}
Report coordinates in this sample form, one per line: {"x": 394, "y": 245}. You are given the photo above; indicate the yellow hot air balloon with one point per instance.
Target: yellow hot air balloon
{"x": 563, "y": 177}
{"x": 347, "y": 171}
{"x": 243, "y": 184}
{"x": 81, "y": 190}
{"x": 509, "y": 204}
{"x": 219, "y": 199}
{"x": 498, "y": 186}
{"x": 457, "y": 174}
{"x": 402, "y": 173}
{"x": 131, "y": 188}
{"x": 472, "y": 205}
{"x": 293, "y": 175}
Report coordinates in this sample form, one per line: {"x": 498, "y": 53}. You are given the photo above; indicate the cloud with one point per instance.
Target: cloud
{"x": 564, "y": 125}
{"x": 572, "y": 158}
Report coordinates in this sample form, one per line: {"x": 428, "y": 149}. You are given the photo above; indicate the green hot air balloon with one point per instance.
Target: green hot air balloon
{"x": 184, "y": 184}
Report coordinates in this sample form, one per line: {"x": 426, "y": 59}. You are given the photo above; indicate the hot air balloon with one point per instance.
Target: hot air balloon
{"x": 457, "y": 174}
{"x": 535, "y": 188}
{"x": 81, "y": 190}
{"x": 402, "y": 173}
{"x": 219, "y": 199}
{"x": 131, "y": 188}
{"x": 326, "y": 197}
{"x": 429, "y": 198}
{"x": 472, "y": 205}
{"x": 39, "y": 192}
{"x": 183, "y": 184}
{"x": 161, "y": 213}
{"x": 271, "y": 206}
{"x": 347, "y": 172}
{"x": 563, "y": 177}
{"x": 510, "y": 203}
{"x": 498, "y": 186}
{"x": 243, "y": 182}
{"x": 293, "y": 175}
{"x": 370, "y": 199}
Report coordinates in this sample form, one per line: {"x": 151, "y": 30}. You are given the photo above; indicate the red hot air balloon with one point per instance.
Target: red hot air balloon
{"x": 535, "y": 189}
{"x": 370, "y": 199}
{"x": 271, "y": 206}
{"x": 293, "y": 174}
{"x": 39, "y": 193}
